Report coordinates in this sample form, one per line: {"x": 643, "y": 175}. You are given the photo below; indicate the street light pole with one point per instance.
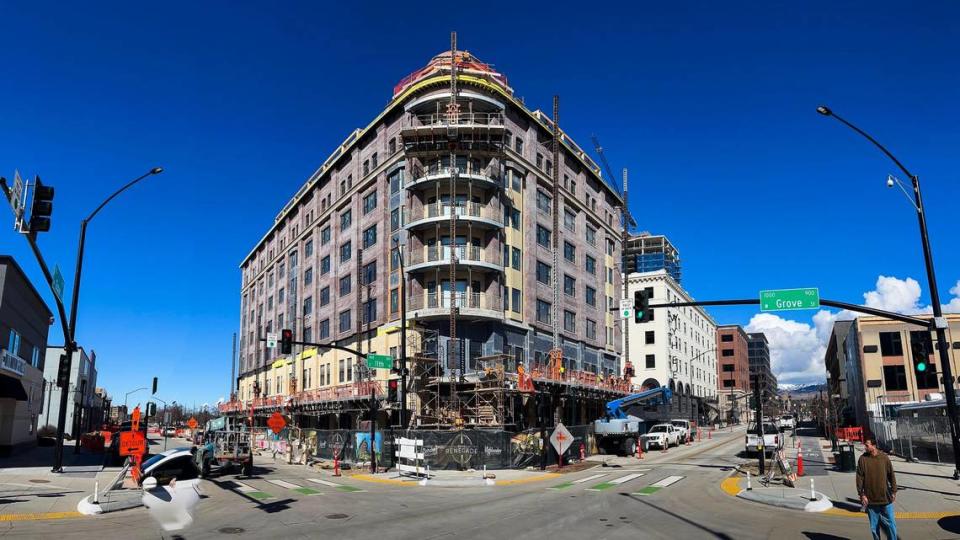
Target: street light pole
{"x": 403, "y": 339}
{"x": 939, "y": 323}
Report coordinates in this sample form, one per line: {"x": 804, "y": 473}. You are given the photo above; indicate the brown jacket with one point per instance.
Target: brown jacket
{"x": 875, "y": 479}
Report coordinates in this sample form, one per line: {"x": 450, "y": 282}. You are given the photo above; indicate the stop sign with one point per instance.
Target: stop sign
{"x": 276, "y": 422}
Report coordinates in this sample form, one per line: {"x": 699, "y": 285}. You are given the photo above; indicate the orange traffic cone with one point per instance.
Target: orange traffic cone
{"x": 799, "y": 464}
{"x": 699, "y": 434}
{"x": 639, "y": 449}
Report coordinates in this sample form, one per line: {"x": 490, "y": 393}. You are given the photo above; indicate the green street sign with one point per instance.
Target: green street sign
{"x": 58, "y": 282}
{"x": 382, "y": 361}
{"x": 789, "y": 299}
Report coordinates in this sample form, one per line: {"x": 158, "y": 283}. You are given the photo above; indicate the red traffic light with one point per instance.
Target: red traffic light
{"x": 393, "y": 384}
{"x": 286, "y": 341}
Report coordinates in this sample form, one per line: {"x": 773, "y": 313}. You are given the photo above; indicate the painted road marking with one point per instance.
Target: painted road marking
{"x": 341, "y": 487}
{"x": 615, "y": 482}
{"x": 243, "y": 488}
{"x": 307, "y": 491}
{"x": 587, "y": 479}
{"x": 251, "y": 491}
{"x": 668, "y": 481}
{"x": 324, "y": 482}
{"x": 564, "y": 485}
{"x": 283, "y": 483}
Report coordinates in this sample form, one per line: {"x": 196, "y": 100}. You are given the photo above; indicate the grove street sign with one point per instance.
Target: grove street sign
{"x": 382, "y": 361}
{"x": 561, "y": 439}
{"x": 789, "y": 299}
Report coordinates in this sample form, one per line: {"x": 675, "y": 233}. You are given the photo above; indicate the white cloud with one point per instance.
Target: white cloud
{"x": 797, "y": 349}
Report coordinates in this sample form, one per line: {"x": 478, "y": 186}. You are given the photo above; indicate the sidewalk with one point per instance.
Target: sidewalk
{"x": 926, "y": 491}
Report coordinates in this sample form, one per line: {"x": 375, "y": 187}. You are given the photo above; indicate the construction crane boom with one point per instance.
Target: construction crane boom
{"x": 628, "y": 217}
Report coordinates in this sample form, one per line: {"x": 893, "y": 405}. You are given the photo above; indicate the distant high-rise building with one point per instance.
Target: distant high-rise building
{"x": 759, "y": 351}
{"x": 646, "y": 252}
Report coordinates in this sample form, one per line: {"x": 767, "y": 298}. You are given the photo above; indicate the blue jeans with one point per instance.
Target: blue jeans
{"x": 882, "y": 514}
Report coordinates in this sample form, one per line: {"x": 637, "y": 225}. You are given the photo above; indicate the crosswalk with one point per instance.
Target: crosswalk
{"x": 603, "y": 481}
{"x": 256, "y": 493}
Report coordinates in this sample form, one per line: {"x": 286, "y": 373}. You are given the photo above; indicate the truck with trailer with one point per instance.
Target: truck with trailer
{"x": 618, "y": 431}
{"x": 225, "y": 446}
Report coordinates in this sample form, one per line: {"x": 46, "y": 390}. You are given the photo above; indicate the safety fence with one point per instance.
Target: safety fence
{"x": 923, "y": 438}
{"x": 454, "y": 450}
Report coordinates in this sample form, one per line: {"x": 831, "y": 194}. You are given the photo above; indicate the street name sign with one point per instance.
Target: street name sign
{"x": 57, "y": 282}
{"x": 789, "y": 299}
{"x": 561, "y": 439}
{"x": 271, "y": 340}
{"x": 382, "y": 361}
{"x": 626, "y": 308}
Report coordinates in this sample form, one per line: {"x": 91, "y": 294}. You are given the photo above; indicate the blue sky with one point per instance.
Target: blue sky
{"x": 710, "y": 106}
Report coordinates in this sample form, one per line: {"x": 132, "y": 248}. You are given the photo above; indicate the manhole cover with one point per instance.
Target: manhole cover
{"x": 231, "y": 530}
{"x": 38, "y": 481}
{"x": 336, "y": 516}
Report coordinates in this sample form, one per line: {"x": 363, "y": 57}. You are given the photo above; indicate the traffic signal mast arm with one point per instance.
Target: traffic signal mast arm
{"x": 325, "y": 345}
{"x": 823, "y": 302}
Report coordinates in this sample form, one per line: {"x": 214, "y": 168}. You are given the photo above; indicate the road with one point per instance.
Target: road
{"x": 618, "y": 501}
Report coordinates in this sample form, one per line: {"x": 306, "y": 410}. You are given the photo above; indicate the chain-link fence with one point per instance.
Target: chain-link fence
{"x": 923, "y": 438}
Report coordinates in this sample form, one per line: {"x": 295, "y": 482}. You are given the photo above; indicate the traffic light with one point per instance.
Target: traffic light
{"x": 154, "y": 385}
{"x": 151, "y": 409}
{"x": 42, "y": 207}
{"x": 396, "y": 366}
{"x": 920, "y": 355}
{"x": 641, "y": 307}
{"x": 286, "y": 341}
{"x": 63, "y": 373}
{"x": 392, "y": 389}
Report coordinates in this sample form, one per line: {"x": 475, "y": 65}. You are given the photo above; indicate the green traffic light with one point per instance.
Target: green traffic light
{"x": 922, "y": 366}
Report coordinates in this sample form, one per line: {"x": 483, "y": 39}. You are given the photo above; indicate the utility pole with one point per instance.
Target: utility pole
{"x": 758, "y": 416}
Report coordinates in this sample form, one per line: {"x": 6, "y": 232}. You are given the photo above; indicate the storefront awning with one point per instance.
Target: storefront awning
{"x": 12, "y": 388}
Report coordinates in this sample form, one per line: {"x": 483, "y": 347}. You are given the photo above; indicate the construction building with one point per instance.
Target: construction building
{"x": 733, "y": 370}
{"x": 492, "y": 222}
{"x": 645, "y": 252}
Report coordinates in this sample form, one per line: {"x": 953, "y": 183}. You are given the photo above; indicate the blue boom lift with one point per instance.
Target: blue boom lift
{"x": 618, "y": 431}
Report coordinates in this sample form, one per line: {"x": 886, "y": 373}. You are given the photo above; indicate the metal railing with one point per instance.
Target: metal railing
{"x": 12, "y": 362}
{"x": 446, "y": 300}
{"x": 442, "y": 253}
{"x": 926, "y": 438}
{"x": 359, "y": 389}
{"x": 461, "y": 119}
{"x": 471, "y": 167}
{"x": 463, "y": 209}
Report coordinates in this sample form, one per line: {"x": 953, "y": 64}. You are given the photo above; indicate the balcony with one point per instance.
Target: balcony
{"x": 439, "y": 122}
{"x": 435, "y": 306}
{"x": 11, "y": 362}
{"x": 472, "y": 212}
{"x": 439, "y": 256}
{"x": 422, "y": 177}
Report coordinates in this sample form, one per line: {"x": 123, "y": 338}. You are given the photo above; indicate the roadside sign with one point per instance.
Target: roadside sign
{"x": 561, "y": 439}
{"x": 192, "y": 423}
{"x": 132, "y": 443}
{"x": 383, "y": 361}
{"x": 135, "y": 418}
{"x": 789, "y": 299}
{"x": 276, "y": 422}
{"x": 626, "y": 308}
{"x": 16, "y": 195}
{"x": 271, "y": 340}
{"x": 57, "y": 282}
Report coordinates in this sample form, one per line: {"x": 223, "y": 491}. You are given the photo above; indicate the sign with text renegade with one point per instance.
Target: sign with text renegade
{"x": 789, "y": 299}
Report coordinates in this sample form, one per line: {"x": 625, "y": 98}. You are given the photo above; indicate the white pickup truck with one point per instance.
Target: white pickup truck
{"x": 770, "y": 443}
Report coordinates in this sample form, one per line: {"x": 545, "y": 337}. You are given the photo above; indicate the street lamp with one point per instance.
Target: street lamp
{"x": 939, "y": 323}
{"x": 71, "y": 345}
{"x": 128, "y": 395}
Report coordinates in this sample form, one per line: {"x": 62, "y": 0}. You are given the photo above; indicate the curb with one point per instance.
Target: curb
{"x": 36, "y": 516}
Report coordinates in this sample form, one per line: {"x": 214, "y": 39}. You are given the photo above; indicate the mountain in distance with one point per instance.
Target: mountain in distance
{"x": 800, "y": 390}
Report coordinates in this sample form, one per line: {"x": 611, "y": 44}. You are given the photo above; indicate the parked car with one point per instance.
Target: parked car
{"x": 684, "y": 427}
{"x": 787, "y": 421}
{"x": 169, "y": 431}
{"x": 661, "y": 436}
{"x": 176, "y": 463}
{"x": 771, "y": 439}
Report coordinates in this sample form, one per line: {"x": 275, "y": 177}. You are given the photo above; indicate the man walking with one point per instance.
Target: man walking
{"x": 877, "y": 487}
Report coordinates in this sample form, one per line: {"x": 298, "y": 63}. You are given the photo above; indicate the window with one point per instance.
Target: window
{"x": 890, "y": 344}
{"x": 324, "y": 236}
{"x": 307, "y": 276}
{"x": 569, "y": 321}
{"x": 591, "y": 295}
{"x": 728, "y": 383}
{"x": 270, "y": 302}
{"x": 369, "y": 274}
{"x": 345, "y": 252}
{"x": 270, "y": 280}
{"x": 13, "y": 344}
{"x": 370, "y": 236}
{"x": 569, "y": 220}
{"x": 543, "y": 202}
{"x": 325, "y": 265}
{"x": 306, "y": 378}
{"x": 515, "y": 261}
{"x": 543, "y": 311}
{"x": 590, "y": 265}
{"x": 591, "y": 329}
{"x": 894, "y": 377}
{"x": 324, "y": 329}
{"x": 395, "y": 179}
{"x": 345, "y": 322}
{"x": 307, "y": 306}
{"x": 370, "y": 311}
{"x": 394, "y": 300}
{"x": 726, "y": 337}
{"x": 308, "y": 249}
{"x": 394, "y": 219}
{"x": 346, "y": 285}
{"x": 728, "y": 367}
{"x": 539, "y": 160}
{"x": 569, "y": 252}
{"x": 308, "y": 334}
{"x": 727, "y": 352}
{"x": 549, "y": 168}
{"x": 515, "y": 218}
{"x": 517, "y": 180}
{"x": 569, "y": 285}
{"x": 366, "y": 167}
{"x": 346, "y": 218}
{"x": 515, "y": 293}
{"x": 392, "y": 145}
{"x": 649, "y": 337}
{"x": 651, "y": 361}
{"x": 543, "y": 272}
{"x": 370, "y": 202}
{"x": 518, "y": 145}
{"x": 543, "y": 236}
{"x": 324, "y": 296}
{"x": 610, "y": 247}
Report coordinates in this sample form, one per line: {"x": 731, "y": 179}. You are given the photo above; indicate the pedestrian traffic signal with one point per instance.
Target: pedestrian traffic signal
{"x": 63, "y": 373}
{"x": 641, "y": 307}
{"x": 392, "y": 390}
{"x": 286, "y": 341}
{"x": 151, "y": 409}
{"x": 42, "y": 207}
{"x": 920, "y": 355}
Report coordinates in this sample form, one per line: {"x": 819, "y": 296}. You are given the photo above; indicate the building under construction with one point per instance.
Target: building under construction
{"x": 479, "y": 220}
